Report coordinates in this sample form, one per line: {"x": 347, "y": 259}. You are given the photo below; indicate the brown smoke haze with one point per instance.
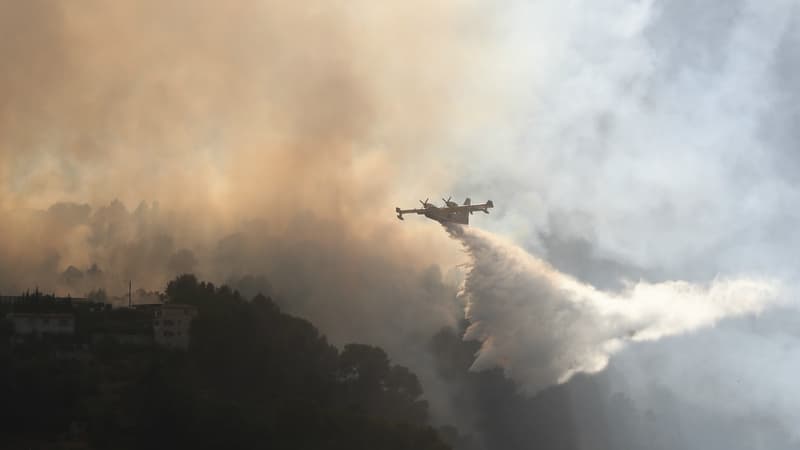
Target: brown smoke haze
{"x": 640, "y": 155}
{"x": 267, "y": 141}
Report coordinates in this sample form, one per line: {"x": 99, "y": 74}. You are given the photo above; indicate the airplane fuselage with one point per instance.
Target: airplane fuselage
{"x": 447, "y": 215}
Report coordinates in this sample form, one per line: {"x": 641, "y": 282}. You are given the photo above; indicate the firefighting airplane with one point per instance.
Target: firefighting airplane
{"x": 450, "y": 212}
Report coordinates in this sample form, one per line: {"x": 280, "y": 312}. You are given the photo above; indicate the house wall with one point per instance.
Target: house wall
{"x": 172, "y": 325}
{"x": 37, "y": 324}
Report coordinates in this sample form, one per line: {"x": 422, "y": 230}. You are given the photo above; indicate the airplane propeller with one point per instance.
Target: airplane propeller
{"x": 425, "y": 203}
{"x": 447, "y": 202}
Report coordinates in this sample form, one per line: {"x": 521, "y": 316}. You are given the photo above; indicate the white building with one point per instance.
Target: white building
{"x": 37, "y": 324}
{"x": 172, "y": 325}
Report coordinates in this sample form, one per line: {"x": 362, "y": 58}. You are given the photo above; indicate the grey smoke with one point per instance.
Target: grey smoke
{"x": 620, "y": 139}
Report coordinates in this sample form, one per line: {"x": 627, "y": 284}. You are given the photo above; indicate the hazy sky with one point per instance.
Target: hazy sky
{"x": 661, "y": 132}
{"x": 620, "y": 140}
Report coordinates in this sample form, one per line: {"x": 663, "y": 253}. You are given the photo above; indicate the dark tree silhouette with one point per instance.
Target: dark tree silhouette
{"x": 253, "y": 377}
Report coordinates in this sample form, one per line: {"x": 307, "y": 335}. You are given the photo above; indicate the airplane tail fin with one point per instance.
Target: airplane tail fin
{"x": 467, "y": 202}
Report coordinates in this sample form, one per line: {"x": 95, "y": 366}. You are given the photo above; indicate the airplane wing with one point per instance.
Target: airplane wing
{"x": 409, "y": 211}
{"x": 470, "y": 208}
{"x": 400, "y": 212}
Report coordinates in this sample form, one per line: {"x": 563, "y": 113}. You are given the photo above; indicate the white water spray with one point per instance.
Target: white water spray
{"x": 543, "y": 326}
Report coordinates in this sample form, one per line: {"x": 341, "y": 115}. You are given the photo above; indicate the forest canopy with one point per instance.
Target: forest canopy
{"x": 252, "y": 377}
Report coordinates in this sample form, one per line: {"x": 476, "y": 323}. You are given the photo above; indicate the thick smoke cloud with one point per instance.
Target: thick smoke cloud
{"x": 657, "y": 131}
{"x": 249, "y": 143}
{"x": 543, "y": 326}
{"x": 657, "y": 140}
{"x": 264, "y": 143}
{"x": 265, "y": 116}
